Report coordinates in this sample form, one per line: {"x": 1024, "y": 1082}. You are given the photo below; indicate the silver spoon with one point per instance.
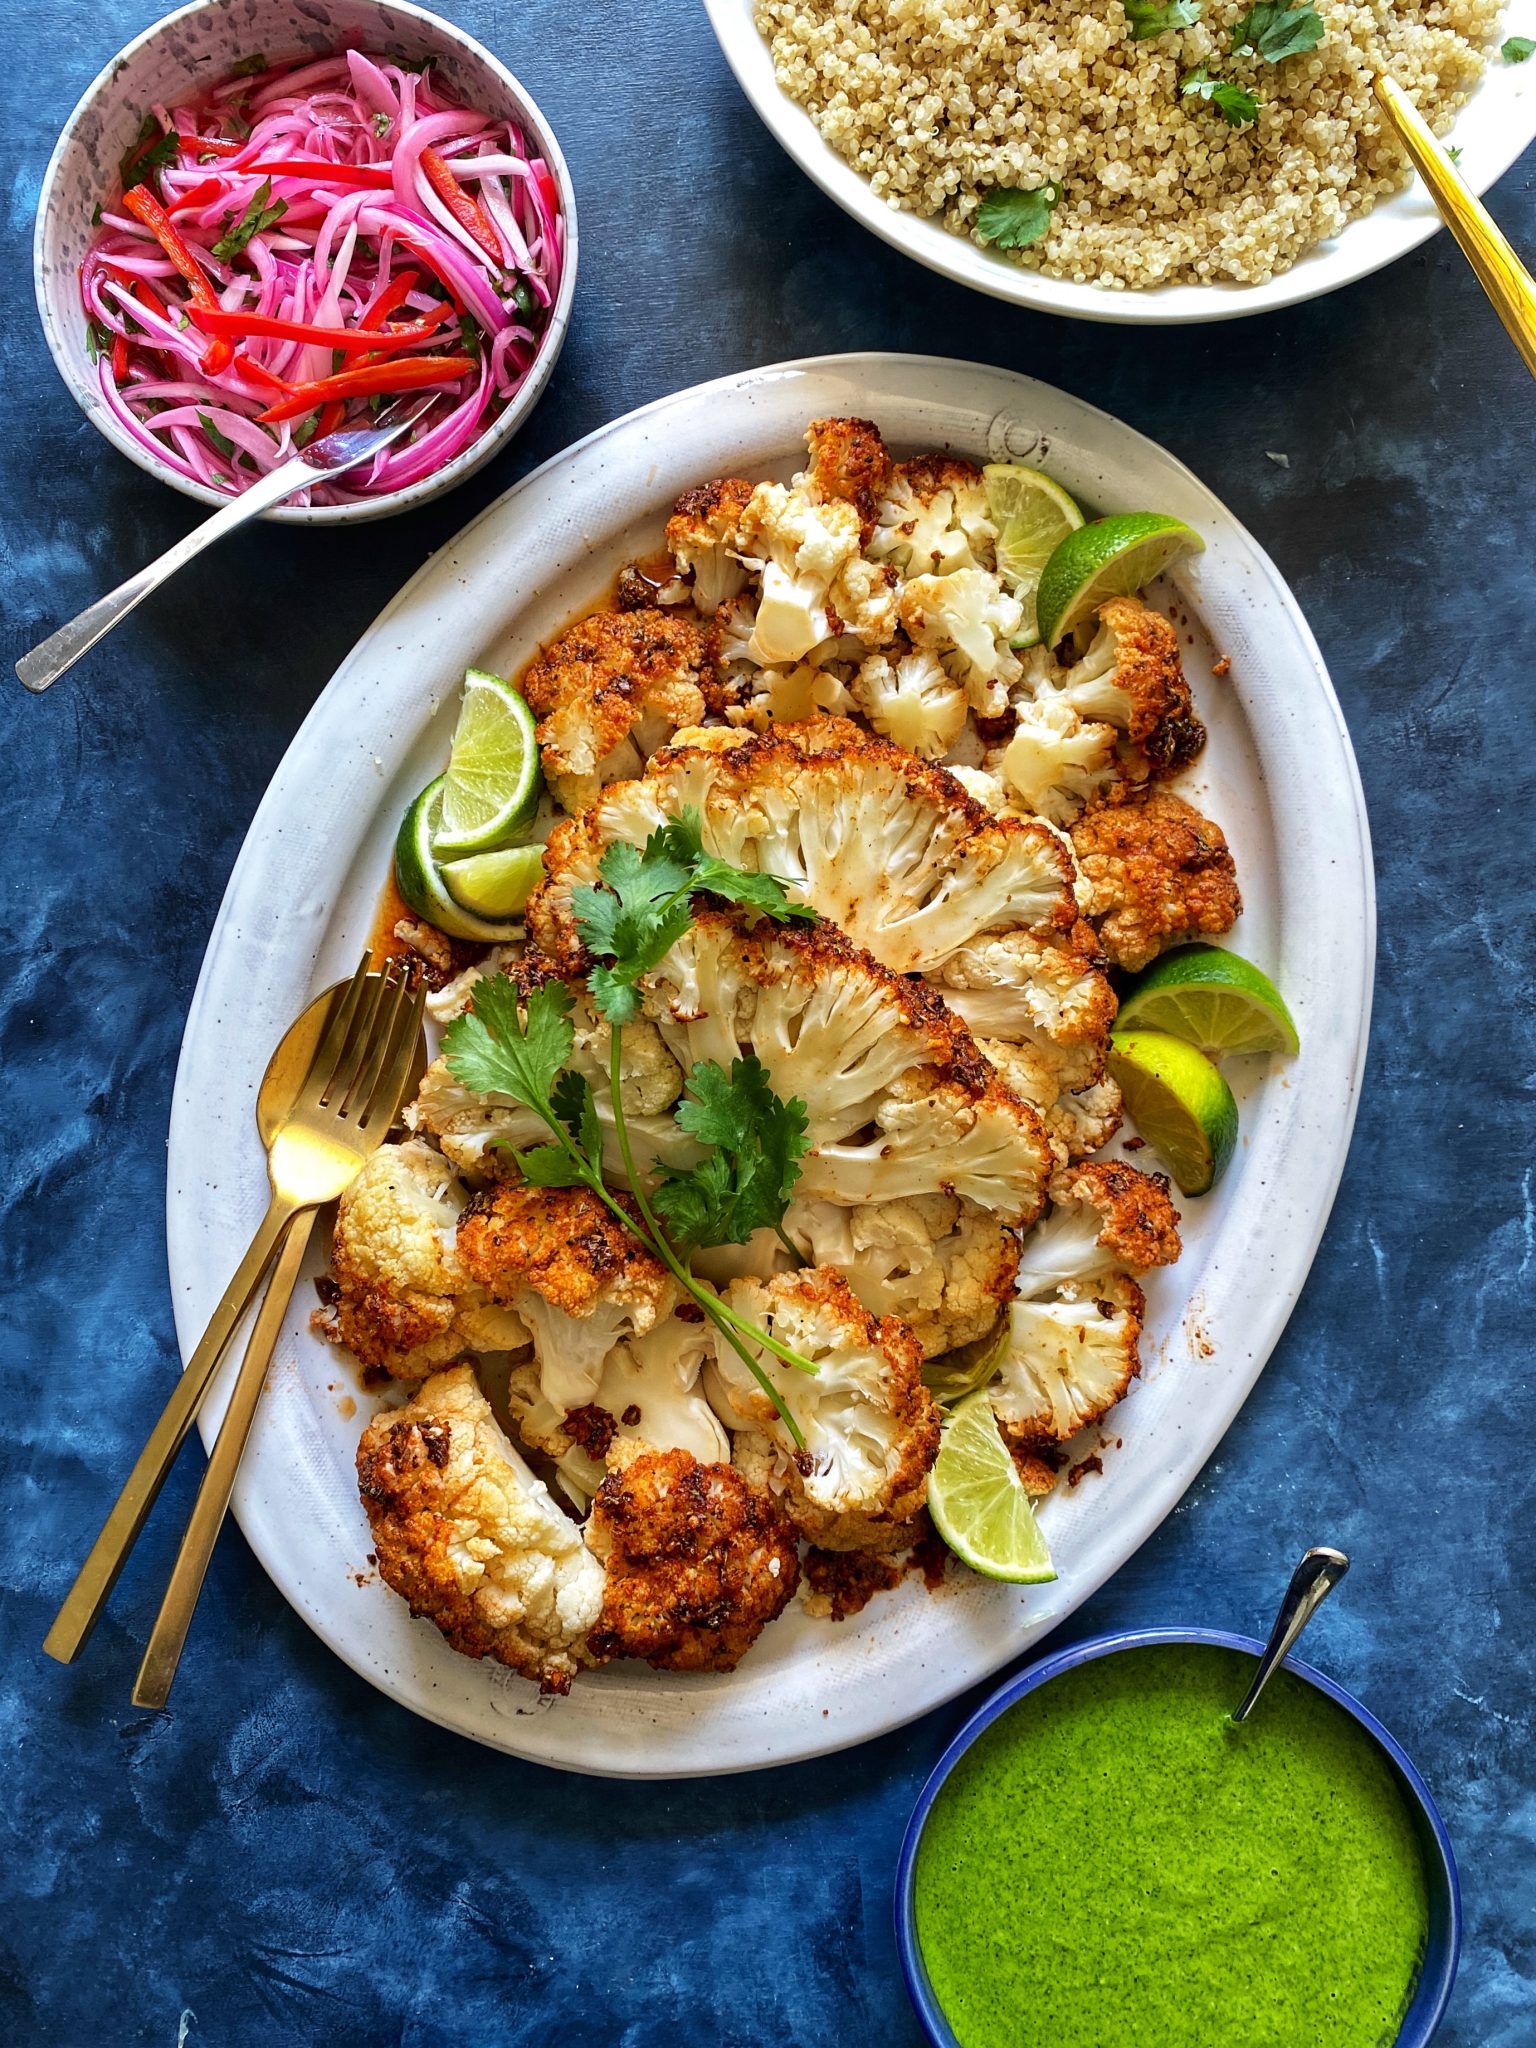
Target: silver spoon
{"x": 340, "y": 451}
{"x": 1311, "y": 1583}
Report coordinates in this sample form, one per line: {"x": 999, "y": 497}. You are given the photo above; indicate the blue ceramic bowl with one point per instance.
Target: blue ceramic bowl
{"x": 1438, "y": 1971}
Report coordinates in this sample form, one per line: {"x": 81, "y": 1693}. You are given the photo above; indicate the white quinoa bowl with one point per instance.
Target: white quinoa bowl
{"x": 1492, "y": 130}
{"x": 193, "y": 49}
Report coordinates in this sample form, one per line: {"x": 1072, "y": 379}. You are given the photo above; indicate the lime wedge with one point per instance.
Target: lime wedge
{"x": 421, "y": 884}
{"x": 1212, "y": 998}
{"x": 1112, "y": 557}
{"x": 494, "y": 884}
{"x": 492, "y": 786}
{"x": 1179, "y": 1103}
{"x": 1033, "y": 515}
{"x": 978, "y": 1503}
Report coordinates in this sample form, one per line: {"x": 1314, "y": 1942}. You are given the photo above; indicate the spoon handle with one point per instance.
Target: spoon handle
{"x": 61, "y": 650}
{"x": 1312, "y": 1581}
{"x": 1498, "y": 269}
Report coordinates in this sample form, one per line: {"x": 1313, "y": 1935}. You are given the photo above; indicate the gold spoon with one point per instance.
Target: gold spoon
{"x": 1498, "y": 269}
{"x": 279, "y": 1093}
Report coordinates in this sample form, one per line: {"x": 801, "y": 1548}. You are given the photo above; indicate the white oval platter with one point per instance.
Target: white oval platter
{"x": 1278, "y": 772}
{"x": 1497, "y": 125}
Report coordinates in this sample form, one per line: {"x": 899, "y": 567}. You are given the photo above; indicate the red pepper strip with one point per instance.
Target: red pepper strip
{"x": 428, "y": 261}
{"x": 145, "y": 207}
{"x": 351, "y": 341}
{"x": 258, "y": 373}
{"x": 331, "y": 417}
{"x": 468, "y": 212}
{"x": 212, "y": 145}
{"x": 120, "y": 357}
{"x": 394, "y": 294}
{"x": 551, "y": 191}
{"x": 408, "y": 375}
{"x": 322, "y": 172}
{"x": 200, "y": 195}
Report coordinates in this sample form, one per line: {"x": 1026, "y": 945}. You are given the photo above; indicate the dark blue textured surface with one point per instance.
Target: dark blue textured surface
{"x": 288, "y": 1856}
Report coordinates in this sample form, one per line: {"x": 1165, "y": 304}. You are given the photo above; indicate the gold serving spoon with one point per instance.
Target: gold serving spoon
{"x": 280, "y": 1091}
{"x": 349, "y": 1097}
{"x": 1498, "y": 269}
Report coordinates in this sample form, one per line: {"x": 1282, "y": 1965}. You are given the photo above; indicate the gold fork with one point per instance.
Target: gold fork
{"x": 341, "y": 1115}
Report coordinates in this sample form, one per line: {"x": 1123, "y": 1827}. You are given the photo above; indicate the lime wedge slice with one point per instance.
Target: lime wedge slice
{"x": 1212, "y": 998}
{"x": 1112, "y": 557}
{"x": 1178, "y": 1101}
{"x": 978, "y": 1502}
{"x": 421, "y": 884}
{"x": 494, "y": 884}
{"x": 1033, "y": 515}
{"x": 492, "y": 786}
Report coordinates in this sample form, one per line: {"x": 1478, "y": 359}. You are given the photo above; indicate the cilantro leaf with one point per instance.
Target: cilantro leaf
{"x": 221, "y": 442}
{"x": 549, "y": 1166}
{"x": 1235, "y": 104}
{"x": 572, "y": 1101}
{"x": 1012, "y": 218}
{"x": 260, "y": 213}
{"x": 249, "y": 67}
{"x": 495, "y": 1051}
{"x": 98, "y": 340}
{"x": 744, "y": 1182}
{"x": 1274, "y": 29}
{"x": 1150, "y": 18}
{"x": 682, "y": 838}
{"x": 150, "y": 151}
{"x": 1515, "y": 49}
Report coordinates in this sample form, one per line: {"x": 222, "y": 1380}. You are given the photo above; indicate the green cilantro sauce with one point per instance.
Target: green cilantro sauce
{"x": 1114, "y": 1863}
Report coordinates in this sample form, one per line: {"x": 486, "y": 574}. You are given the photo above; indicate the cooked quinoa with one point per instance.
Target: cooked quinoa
{"x": 937, "y": 101}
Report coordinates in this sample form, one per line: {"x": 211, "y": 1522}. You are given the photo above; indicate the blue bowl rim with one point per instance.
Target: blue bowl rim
{"x": 1438, "y": 1973}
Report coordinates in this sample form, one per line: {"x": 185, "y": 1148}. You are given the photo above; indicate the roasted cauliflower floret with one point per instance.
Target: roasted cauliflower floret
{"x": 943, "y": 1266}
{"x": 898, "y": 1101}
{"x": 578, "y": 1278}
{"x": 698, "y": 1562}
{"x": 933, "y": 518}
{"x": 465, "y": 1533}
{"x": 814, "y": 583}
{"x": 404, "y": 1303}
{"x": 1131, "y": 678}
{"x": 1105, "y": 1217}
{"x": 1019, "y": 985}
{"x": 1064, "y": 1363}
{"x": 609, "y": 691}
{"x": 890, "y": 850}
{"x": 703, "y": 537}
{"x": 848, "y": 461}
{"x": 1056, "y": 761}
{"x": 911, "y": 700}
{"x": 870, "y": 1426}
{"x": 967, "y": 618}
{"x": 1156, "y": 873}
{"x": 1063, "y": 1084}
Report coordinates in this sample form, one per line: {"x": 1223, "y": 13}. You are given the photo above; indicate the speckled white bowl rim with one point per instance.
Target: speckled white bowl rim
{"x": 1497, "y": 125}
{"x": 310, "y": 20}
{"x": 302, "y": 900}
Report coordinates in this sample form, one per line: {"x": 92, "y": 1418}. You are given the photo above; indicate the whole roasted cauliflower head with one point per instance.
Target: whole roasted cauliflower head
{"x": 703, "y": 538}
{"x": 848, "y": 461}
{"x": 870, "y": 1426}
{"x": 1065, "y": 1361}
{"x": 1105, "y": 1217}
{"x": 1156, "y": 873}
{"x": 967, "y": 618}
{"x": 943, "y": 1266}
{"x": 464, "y": 1532}
{"x": 403, "y": 1302}
{"x": 891, "y": 850}
{"x": 609, "y": 690}
{"x": 932, "y": 518}
{"x": 698, "y": 1562}
{"x": 579, "y": 1279}
{"x": 813, "y": 583}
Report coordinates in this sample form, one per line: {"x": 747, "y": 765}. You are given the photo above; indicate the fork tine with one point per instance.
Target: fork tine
{"x": 322, "y": 1066}
{"x": 385, "y": 1099}
{"x": 392, "y": 1000}
{"x": 359, "y": 1044}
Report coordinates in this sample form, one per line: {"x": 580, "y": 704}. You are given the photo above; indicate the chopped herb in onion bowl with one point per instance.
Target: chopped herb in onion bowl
{"x": 301, "y": 245}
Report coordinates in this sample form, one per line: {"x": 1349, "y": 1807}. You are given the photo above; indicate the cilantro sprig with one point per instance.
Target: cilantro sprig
{"x": 262, "y": 211}
{"x": 1150, "y": 18}
{"x": 751, "y": 1141}
{"x": 1275, "y": 30}
{"x": 1235, "y": 104}
{"x": 1011, "y": 218}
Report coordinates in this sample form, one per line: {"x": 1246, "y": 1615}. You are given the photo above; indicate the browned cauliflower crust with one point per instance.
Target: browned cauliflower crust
{"x": 848, "y": 461}
{"x": 1138, "y": 1224}
{"x": 891, "y": 849}
{"x": 697, "y": 1562}
{"x": 611, "y": 688}
{"x": 1157, "y": 872}
{"x": 703, "y": 535}
{"x": 1066, "y": 1361}
{"x": 1160, "y": 718}
{"x": 464, "y": 1532}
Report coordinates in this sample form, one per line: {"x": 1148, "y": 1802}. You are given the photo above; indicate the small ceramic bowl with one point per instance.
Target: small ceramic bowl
{"x": 192, "y": 50}
{"x": 1437, "y": 1972}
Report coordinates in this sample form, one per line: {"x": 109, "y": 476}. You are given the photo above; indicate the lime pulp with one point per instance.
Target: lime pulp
{"x": 492, "y": 786}
{"x": 1179, "y": 1103}
{"x": 494, "y": 884}
{"x": 420, "y": 882}
{"x": 1113, "y": 557}
{"x": 1212, "y": 998}
{"x": 978, "y": 1502}
{"x": 1033, "y": 515}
